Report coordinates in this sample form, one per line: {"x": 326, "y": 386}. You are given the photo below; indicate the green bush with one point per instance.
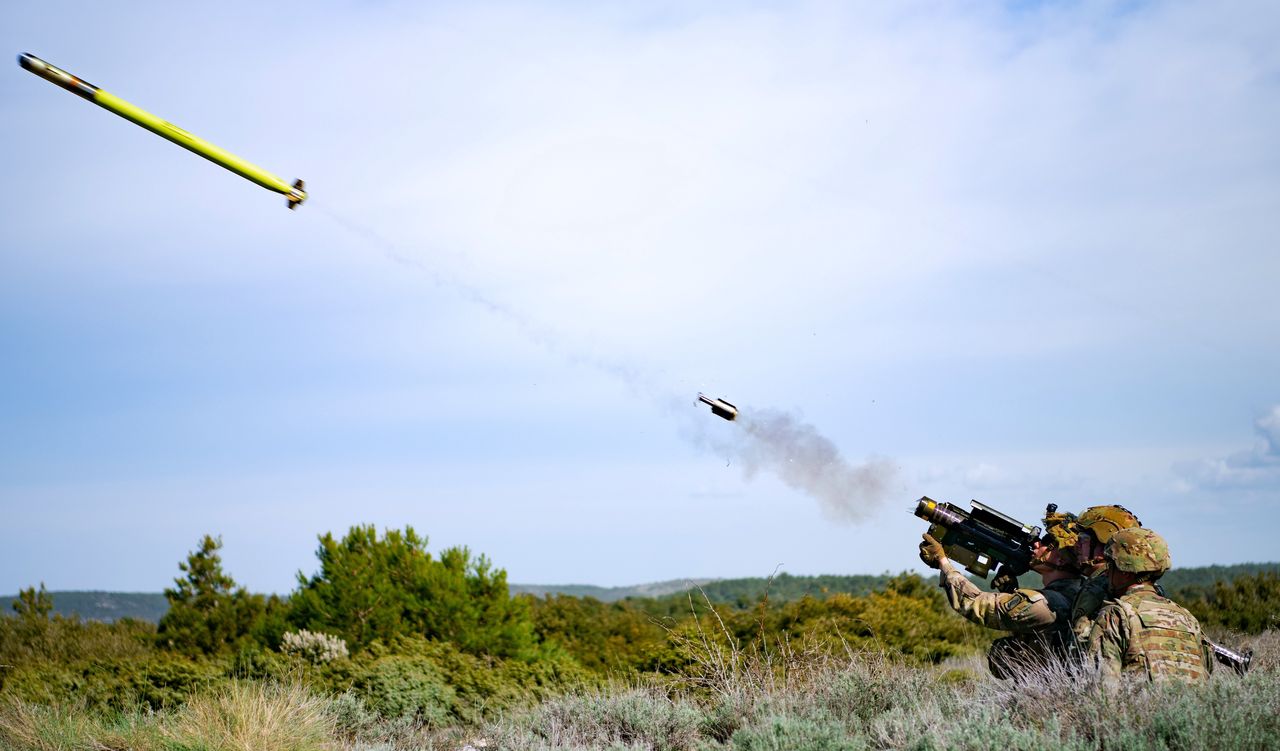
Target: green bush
{"x": 398, "y": 686}
{"x": 608, "y": 638}
{"x": 61, "y": 640}
{"x": 440, "y": 681}
{"x": 156, "y": 682}
{"x": 1249, "y": 604}
{"x": 377, "y": 589}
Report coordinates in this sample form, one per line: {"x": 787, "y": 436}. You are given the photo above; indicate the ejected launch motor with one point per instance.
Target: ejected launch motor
{"x": 719, "y": 407}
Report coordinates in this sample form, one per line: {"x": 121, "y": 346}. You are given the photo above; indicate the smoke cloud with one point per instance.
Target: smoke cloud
{"x": 782, "y": 444}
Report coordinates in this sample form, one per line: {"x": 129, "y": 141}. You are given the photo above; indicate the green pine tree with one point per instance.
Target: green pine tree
{"x": 32, "y": 604}
{"x": 371, "y": 589}
{"x": 208, "y": 613}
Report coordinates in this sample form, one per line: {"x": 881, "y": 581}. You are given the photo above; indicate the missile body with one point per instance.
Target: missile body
{"x": 293, "y": 193}
{"x": 719, "y": 407}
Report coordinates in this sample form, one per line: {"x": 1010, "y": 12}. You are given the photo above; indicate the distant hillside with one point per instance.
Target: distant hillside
{"x": 102, "y": 606}
{"x": 784, "y": 588}
{"x": 748, "y": 591}
{"x": 609, "y": 594}
{"x": 112, "y": 606}
{"x": 1207, "y": 576}
{"x": 1177, "y": 579}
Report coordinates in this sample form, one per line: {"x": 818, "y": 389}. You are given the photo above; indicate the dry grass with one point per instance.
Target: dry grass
{"x": 814, "y": 698}
{"x": 249, "y": 716}
{"x": 775, "y": 696}
{"x": 240, "y": 716}
{"x": 35, "y": 727}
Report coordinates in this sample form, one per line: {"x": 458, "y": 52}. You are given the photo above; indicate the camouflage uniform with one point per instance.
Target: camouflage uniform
{"x": 1089, "y": 599}
{"x": 1142, "y": 633}
{"x": 1145, "y": 634}
{"x": 1037, "y": 618}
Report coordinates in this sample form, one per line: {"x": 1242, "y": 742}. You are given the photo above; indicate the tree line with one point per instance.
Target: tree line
{"x": 441, "y": 636}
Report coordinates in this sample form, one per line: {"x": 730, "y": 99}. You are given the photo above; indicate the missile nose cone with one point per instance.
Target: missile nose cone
{"x": 57, "y": 76}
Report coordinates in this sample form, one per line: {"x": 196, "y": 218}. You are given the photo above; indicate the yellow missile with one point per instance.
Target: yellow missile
{"x": 293, "y": 193}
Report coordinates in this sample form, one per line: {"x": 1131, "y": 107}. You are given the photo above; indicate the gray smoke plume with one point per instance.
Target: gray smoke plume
{"x": 780, "y": 443}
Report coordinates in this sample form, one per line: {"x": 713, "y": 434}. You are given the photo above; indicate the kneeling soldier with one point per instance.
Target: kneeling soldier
{"x": 1139, "y": 632}
{"x": 1038, "y": 619}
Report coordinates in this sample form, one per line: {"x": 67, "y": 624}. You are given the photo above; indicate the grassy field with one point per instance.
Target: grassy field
{"x": 728, "y": 699}
{"x": 390, "y": 647}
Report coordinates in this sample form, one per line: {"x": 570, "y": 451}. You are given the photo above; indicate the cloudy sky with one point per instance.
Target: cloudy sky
{"x": 1020, "y": 252}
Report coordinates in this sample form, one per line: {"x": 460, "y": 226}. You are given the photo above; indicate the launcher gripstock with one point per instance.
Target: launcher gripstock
{"x": 1237, "y": 661}
{"x": 980, "y": 538}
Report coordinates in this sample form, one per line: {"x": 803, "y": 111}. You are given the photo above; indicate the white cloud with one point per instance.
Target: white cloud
{"x": 1256, "y": 468}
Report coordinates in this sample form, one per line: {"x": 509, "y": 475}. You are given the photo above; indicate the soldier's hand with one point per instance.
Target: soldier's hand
{"x": 931, "y": 551}
{"x": 1004, "y": 583}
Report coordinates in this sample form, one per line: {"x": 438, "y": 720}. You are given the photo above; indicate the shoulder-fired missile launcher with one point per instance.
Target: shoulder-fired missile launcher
{"x": 981, "y": 538}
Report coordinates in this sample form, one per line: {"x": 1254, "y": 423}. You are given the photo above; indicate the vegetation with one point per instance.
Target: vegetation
{"x": 208, "y": 613}
{"x": 370, "y": 589}
{"x": 388, "y": 646}
{"x": 1250, "y": 604}
{"x": 744, "y": 592}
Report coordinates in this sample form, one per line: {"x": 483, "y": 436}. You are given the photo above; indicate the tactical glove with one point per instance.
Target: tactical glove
{"x": 1004, "y": 583}
{"x": 931, "y": 551}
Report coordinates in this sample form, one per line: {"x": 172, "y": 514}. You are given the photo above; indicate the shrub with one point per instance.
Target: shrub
{"x": 314, "y": 648}
{"x": 608, "y": 638}
{"x": 1250, "y": 604}
{"x": 398, "y": 686}
{"x": 789, "y": 733}
{"x": 642, "y": 717}
{"x": 157, "y": 682}
{"x": 24, "y": 641}
{"x": 377, "y": 589}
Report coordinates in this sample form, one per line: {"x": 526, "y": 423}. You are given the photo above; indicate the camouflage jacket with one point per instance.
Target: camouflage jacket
{"x": 1144, "y": 634}
{"x": 1020, "y": 611}
{"x": 1088, "y": 601}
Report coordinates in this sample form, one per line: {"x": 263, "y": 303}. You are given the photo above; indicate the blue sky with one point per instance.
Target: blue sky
{"x": 1020, "y": 253}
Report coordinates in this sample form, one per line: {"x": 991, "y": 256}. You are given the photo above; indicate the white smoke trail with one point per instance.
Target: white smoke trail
{"x": 769, "y": 440}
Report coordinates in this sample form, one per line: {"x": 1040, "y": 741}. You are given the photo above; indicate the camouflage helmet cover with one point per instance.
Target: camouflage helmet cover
{"x": 1105, "y": 521}
{"x": 1139, "y": 551}
{"x": 1061, "y": 529}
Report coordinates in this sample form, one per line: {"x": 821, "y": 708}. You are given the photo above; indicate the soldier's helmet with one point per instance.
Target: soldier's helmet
{"x": 1060, "y": 527}
{"x": 1105, "y": 521}
{"x": 1139, "y": 551}
{"x": 1061, "y": 531}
